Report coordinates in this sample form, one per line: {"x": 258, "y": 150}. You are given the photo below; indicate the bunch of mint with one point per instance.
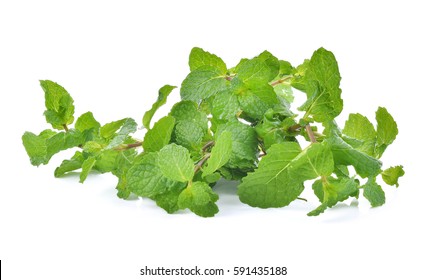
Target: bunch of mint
{"x": 232, "y": 123}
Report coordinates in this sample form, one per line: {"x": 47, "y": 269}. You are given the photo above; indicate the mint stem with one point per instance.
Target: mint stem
{"x": 65, "y": 127}
{"x": 201, "y": 162}
{"x": 129, "y": 146}
{"x": 310, "y": 133}
{"x": 275, "y": 83}
{"x": 207, "y": 145}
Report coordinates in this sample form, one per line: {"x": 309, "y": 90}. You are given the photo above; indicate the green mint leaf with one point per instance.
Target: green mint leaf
{"x": 269, "y": 185}
{"x": 86, "y": 122}
{"x": 36, "y": 146}
{"x": 255, "y": 72}
{"x": 225, "y": 106}
{"x": 220, "y": 153}
{"x": 374, "y": 193}
{"x": 202, "y": 83}
{"x": 86, "y": 167}
{"x": 386, "y": 130}
{"x": 189, "y": 135}
{"x": 162, "y": 99}
{"x": 200, "y": 199}
{"x": 119, "y": 166}
{"x": 244, "y": 145}
{"x": 108, "y": 130}
{"x": 40, "y": 148}
{"x": 175, "y": 163}
{"x": 159, "y": 135}
{"x": 168, "y": 200}
{"x": 392, "y": 174}
{"x": 359, "y": 127}
{"x": 344, "y": 154}
{"x": 285, "y": 68}
{"x": 67, "y": 166}
{"x": 323, "y": 93}
{"x": 198, "y": 58}
{"x": 272, "y": 129}
{"x": 299, "y": 80}
{"x": 146, "y": 179}
{"x": 330, "y": 191}
{"x": 188, "y": 111}
{"x": 280, "y": 175}
{"x": 59, "y": 105}
{"x": 284, "y": 91}
{"x": 256, "y": 101}
{"x": 272, "y": 62}
{"x": 129, "y": 126}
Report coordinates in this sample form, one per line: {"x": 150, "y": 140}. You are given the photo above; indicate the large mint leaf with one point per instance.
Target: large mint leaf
{"x": 145, "y": 178}
{"x": 188, "y": 111}
{"x": 255, "y": 72}
{"x": 225, "y": 105}
{"x": 160, "y": 135}
{"x": 161, "y": 100}
{"x": 322, "y": 80}
{"x": 330, "y": 191}
{"x": 279, "y": 178}
{"x": 359, "y": 127}
{"x": 202, "y": 83}
{"x": 220, "y": 153}
{"x": 344, "y": 154}
{"x": 198, "y": 58}
{"x": 189, "y": 135}
{"x": 200, "y": 199}
{"x": 175, "y": 163}
{"x": 59, "y": 105}
{"x": 272, "y": 62}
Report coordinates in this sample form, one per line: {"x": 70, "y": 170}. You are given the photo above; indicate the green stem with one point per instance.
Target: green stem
{"x": 65, "y": 127}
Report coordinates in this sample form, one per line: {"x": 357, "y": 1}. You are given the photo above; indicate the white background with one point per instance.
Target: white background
{"x": 113, "y": 56}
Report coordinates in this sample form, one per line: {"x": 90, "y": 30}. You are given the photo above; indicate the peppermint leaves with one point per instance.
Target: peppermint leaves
{"x": 232, "y": 123}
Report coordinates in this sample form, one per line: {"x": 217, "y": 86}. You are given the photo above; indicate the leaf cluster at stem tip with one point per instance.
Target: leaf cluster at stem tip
{"x": 234, "y": 123}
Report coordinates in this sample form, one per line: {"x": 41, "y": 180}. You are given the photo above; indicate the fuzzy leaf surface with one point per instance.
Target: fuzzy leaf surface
{"x": 202, "y": 83}
{"x": 322, "y": 77}
{"x": 198, "y": 58}
{"x": 175, "y": 163}
{"x": 279, "y": 178}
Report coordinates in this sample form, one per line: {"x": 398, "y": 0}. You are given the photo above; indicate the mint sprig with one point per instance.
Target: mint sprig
{"x": 233, "y": 123}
